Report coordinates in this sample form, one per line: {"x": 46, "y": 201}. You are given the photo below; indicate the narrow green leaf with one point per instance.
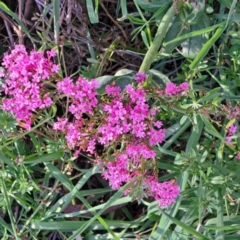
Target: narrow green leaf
{"x": 14, "y": 16}
{"x": 9, "y": 209}
{"x": 67, "y": 183}
{"x": 144, "y": 38}
{"x": 116, "y": 196}
{"x": 203, "y": 52}
{"x": 184, "y": 226}
{"x": 210, "y": 128}
{"x": 6, "y": 226}
{"x": 193, "y": 34}
{"x": 93, "y": 14}
{"x": 124, "y": 8}
{"x": 223, "y": 228}
{"x": 79, "y": 185}
{"x": 7, "y": 160}
{"x": 43, "y": 158}
{"x": 74, "y": 225}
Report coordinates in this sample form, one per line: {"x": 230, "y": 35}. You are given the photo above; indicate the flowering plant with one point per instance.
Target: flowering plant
{"x": 24, "y": 82}
{"x": 123, "y": 122}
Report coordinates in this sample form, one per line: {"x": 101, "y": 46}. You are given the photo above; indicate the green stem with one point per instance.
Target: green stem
{"x": 161, "y": 32}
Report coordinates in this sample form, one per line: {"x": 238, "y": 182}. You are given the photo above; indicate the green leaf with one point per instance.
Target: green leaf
{"x": 56, "y": 18}
{"x": 124, "y": 7}
{"x": 116, "y": 196}
{"x": 7, "y": 160}
{"x": 103, "y": 82}
{"x": 43, "y": 158}
{"x": 9, "y": 209}
{"x": 210, "y": 128}
{"x": 193, "y": 45}
{"x": 67, "y": 183}
{"x": 184, "y": 226}
{"x": 123, "y": 72}
{"x": 152, "y": 6}
{"x": 212, "y": 94}
{"x": 154, "y": 217}
{"x": 193, "y": 34}
{"x": 78, "y": 186}
{"x": 207, "y": 46}
{"x": 92, "y": 13}
{"x": 176, "y": 30}
{"x": 135, "y": 20}
{"x": 217, "y": 180}
{"x": 159, "y": 77}
{"x": 144, "y": 38}
{"x": 74, "y": 225}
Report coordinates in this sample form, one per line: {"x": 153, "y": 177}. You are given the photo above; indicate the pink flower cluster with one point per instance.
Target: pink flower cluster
{"x": 125, "y": 117}
{"x": 83, "y": 94}
{"x": 83, "y": 98}
{"x": 141, "y": 77}
{"x": 231, "y": 131}
{"x": 24, "y": 77}
{"x": 130, "y": 115}
{"x": 129, "y": 118}
{"x": 238, "y": 156}
{"x": 121, "y": 169}
{"x": 172, "y": 89}
{"x": 128, "y": 167}
{"x": 123, "y": 120}
{"x": 165, "y": 193}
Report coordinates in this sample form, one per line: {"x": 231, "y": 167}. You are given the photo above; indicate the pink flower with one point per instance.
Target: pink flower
{"x": 158, "y": 124}
{"x": 60, "y": 124}
{"x": 141, "y": 77}
{"x": 91, "y": 145}
{"x": 165, "y": 193}
{"x": 2, "y": 73}
{"x": 121, "y": 169}
{"x": 232, "y": 130}
{"x": 113, "y": 90}
{"x": 24, "y": 84}
{"x": 156, "y": 136}
{"x": 139, "y": 151}
{"x": 228, "y": 139}
{"x": 51, "y": 53}
{"x": 136, "y": 95}
{"x": 171, "y": 89}
{"x": 184, "y": 86}
{"x": 83, "y": 95}
{"x": 238, "y": 156}
{"x": 138, "y": 129}
{"x": 116, "y": 172}
{"x": 66, "y": 86}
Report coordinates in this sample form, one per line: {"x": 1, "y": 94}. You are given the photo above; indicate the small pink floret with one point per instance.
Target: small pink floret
{"x": 238, "y": 156}
{"x": 141, "y": 77}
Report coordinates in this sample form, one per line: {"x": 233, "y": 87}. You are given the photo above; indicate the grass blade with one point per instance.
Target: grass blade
{"x": 93, "y": 14}
{"x": 184, "y": 226}
{"x": 44, "y": 158}
{"x": 203, "y": 52}
{"x": 14, "y": 16}
{"x": 56, "y": 18}
{"x": 10, "y": 214}
{"x": 66, "y": 182}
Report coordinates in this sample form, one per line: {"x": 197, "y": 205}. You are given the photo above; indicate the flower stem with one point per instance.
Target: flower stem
{"x": 161, "y": 32}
